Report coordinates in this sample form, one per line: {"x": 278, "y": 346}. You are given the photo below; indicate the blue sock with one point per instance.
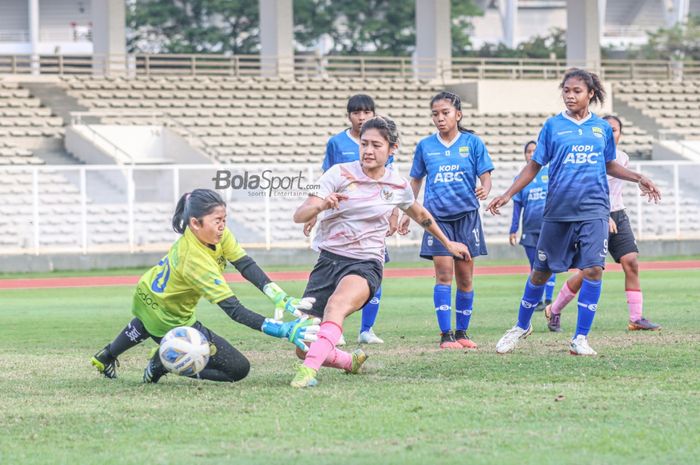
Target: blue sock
{"x": 549, "y": 290}
{"x": 369, "y": 311}
{"x": 442, "y": 296}
{"x": 531, "y": 297}
{"x": 588, "y": 298}
{"x": 463, "y": 309}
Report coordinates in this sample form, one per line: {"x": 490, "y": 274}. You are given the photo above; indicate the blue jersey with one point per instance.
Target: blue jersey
{"x": 452, "y": 169}
{"x": 531, "y": 199}
{"x": 342, "y": 148}
{"x": 576, "y": 152}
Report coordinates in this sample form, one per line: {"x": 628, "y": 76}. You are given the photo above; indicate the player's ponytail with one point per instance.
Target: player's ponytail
{"x": 591, "y": 80}
{"x": 195, "y": 204}
{"x": 456, "y": 102}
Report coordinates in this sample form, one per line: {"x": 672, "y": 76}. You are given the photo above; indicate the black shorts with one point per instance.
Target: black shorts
{"x": 623, "y": 242}
{"x": 330, "y": 269}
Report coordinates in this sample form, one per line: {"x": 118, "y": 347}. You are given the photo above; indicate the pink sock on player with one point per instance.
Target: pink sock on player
{"x": 339, "y": 359}
{"x": 322, "y": 348}
{"x": 564, "y": 297}
{"x": 634, "y": 303}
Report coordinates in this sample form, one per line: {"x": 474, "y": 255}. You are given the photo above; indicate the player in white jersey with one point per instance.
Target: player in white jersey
{"x": 622, "y": 245}
{"x": 358, "y": 198}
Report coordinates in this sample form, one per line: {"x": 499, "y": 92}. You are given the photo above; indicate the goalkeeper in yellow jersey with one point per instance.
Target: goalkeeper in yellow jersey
{"x": 167, "y": 294}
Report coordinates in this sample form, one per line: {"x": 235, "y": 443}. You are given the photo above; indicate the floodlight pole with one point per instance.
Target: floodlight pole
{"x": 34, "y": 35}
{"x": 433, "y": 39}
{"x": 276, "y": 38}
{"x": 583, "y": 34}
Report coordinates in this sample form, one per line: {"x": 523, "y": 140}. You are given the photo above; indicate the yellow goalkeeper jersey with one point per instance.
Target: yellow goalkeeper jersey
{"x": 167, "y": 294}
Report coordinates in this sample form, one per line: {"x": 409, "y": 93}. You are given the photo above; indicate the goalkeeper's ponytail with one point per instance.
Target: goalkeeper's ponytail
{"x": 195, "y": 204}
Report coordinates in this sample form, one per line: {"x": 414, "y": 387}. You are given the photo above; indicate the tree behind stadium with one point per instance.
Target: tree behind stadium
{"x": 384, "y": 27}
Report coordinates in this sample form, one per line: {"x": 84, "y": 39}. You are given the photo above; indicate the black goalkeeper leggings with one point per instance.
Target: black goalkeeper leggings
{"x": 226, "y": 364}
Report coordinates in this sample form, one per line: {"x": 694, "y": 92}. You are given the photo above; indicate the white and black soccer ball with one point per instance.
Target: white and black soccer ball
{"x": 184, "y": 351}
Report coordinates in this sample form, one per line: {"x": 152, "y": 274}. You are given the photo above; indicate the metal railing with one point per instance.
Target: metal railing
{"x": 133, "y": 212}
{"x": 330, "y": 66}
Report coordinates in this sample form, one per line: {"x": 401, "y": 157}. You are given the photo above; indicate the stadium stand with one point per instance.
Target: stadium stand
{"x": 277, "y": 121}
{"x": 270, "y": 121}
{"x": 673, "y": 105}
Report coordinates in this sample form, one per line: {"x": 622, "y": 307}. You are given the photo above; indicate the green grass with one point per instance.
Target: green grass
{"x": 638, "y": 402}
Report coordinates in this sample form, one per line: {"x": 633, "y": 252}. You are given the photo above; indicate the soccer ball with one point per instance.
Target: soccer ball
{"x": 184, "y": 351}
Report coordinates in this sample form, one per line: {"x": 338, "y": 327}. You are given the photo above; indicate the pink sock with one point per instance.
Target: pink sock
{"x": 634, "y": 303}
{"x": 322, "y": 348}
{"x": 564, "y": 297}
{"x": 339, "y": 359}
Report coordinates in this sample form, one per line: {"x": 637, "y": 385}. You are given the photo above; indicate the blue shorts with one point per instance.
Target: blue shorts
{"x": 565, "y": 245}
{"x": 531, "y": 253}
{"x": 466, "y": 230}
{"x": 529, "y": 239}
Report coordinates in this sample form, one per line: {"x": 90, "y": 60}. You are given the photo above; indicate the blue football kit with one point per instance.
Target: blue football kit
{"x": 529, "y": 204}
{"x": 576, "y": 152}
{"x": 574, "y": 232}
{"x": 451, "y": 170}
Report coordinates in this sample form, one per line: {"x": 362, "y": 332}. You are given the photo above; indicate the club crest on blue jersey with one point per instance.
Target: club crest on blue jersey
{"x": 598, "y": 132}
{"x": 576, "y": 165}
{"x": 450, "y": 179}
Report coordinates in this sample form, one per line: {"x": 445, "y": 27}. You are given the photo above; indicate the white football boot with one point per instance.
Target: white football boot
{"x": 510, "y": 339}
{"x": 579, "y": 346}
{"x": 341, "y": 341}
{"x": 368, "y": 337}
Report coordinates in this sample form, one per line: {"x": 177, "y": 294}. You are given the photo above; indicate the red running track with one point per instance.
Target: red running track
{"x": 102, "y": 281}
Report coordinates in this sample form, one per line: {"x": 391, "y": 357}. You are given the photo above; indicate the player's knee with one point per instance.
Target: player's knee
{"x": 239, "y": 371}
{"x": 464, "y": 283}
{"x": 300, "y": 354}
{"x": 443, "y": 276}
{"x": 630, "y": 265}
{"x": 594, "y": 273}
{"x": 539, "y": 278}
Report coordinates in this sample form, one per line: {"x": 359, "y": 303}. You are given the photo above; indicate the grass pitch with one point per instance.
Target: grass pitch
{"x": 637, "y": 402}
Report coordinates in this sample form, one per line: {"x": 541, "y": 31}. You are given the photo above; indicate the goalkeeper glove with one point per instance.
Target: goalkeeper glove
{"x": 286, "y": 303}
{"x": 297, "y": 332}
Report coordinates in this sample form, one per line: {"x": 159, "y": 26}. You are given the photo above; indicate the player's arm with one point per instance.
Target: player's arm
{"x": 255, "y": 275}
{"x": 646, "y": 186}
{"x": 420, "y": 215}
{"x": 314, "y": 205}
{"x": 416, "y": 184}
{"x": 515, "y": 223}
{"x": 527, "y": 174}
{"x": 297, "y": 331}
{"x": 393, "y": 222}
{"x": 484, "y": 189}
